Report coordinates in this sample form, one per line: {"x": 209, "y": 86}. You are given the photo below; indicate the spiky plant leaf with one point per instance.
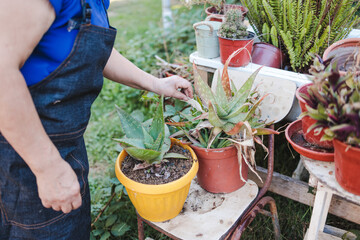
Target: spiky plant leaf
{"x": 242, "y": 94}
{"x": 147, "y": 155}
{"x": 158, "y": 123}
{"x": 175, "y": 155}
{"x": 130, "y": 142}
{"x": 130, "y": 126}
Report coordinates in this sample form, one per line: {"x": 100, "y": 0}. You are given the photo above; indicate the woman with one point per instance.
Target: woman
{"x": 53, "y": 55}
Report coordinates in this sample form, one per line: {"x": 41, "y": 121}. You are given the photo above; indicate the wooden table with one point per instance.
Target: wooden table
{"x": 322, "y": 177}
{"x": 208, "y": 216}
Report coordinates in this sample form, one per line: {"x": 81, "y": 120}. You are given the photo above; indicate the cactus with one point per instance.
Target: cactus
{"x": 148, "y": 144}
{"x": 233, "y": 26}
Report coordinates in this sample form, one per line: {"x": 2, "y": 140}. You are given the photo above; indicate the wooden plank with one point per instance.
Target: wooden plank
{"x": 298, "y": 191}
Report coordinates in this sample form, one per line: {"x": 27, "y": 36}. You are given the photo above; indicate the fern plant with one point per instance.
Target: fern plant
{"x": 304, "y": 27}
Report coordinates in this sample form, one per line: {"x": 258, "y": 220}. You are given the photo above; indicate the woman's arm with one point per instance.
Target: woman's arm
{"x": 121, "y": 70}
{"x": 22, "y": 24}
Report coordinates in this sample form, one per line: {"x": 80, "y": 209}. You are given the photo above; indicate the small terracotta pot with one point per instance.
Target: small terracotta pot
{"x": 228, "y": 46}
{"x": 267, "y": 55}
{"x": 347, "y": 166}
{"x": 219, "y": 169}
{"x": 216, "y": 16}
{"x": 341, "y": 50}
{"x": 307, "y": 122}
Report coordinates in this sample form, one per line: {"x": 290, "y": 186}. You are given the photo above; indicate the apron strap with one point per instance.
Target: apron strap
{"x": 75, "y": 23}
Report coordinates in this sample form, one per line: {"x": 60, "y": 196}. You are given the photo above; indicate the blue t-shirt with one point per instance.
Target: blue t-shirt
{"x": 57, "y": 42}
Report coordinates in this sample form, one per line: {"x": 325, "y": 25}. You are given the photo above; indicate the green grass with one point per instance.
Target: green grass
{"x": 140, "y": 38}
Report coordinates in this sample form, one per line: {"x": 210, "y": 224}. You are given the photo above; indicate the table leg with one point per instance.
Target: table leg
{"x": 320, "y": 211}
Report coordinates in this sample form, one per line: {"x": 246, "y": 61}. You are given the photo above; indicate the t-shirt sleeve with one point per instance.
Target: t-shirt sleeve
{"x": 56, "y": 5}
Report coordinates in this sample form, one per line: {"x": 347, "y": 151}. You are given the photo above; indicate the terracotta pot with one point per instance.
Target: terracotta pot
{"x": 228, "y": 46}
{"x": 295, "y": 138}
{"x": 216, "y": 16}
{"x": 347, "y": 166}
{"x": 342, "y": 51}
{"x": 307, "y": 122}
{"x": 219, "y": 169}
{"x": 268, "y": 55}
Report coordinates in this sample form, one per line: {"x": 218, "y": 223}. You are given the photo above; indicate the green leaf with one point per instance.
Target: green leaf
{"x": 97, "y": 232}
{"x": 158, "y": 123}
{"x": 130, "y": 142}
{"x": 146, "y": 155}
{"x": 244, "y": 91}
{"x": 120, "y": 229}
{"x": 214, "y": 118}
{"x": 130, "y": 126}
{"x": 203, "y": 90}
{"x": 110, "y": 220}
{"x": 105, "y": 236}
{"x": 175, "y": 155}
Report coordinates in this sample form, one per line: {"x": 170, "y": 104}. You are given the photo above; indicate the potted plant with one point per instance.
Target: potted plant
{"x": 340, "y": 113}
{"x": 310, "y": 96}
{"x": 146, "y": 170}
{"x": 222, "y": 130}
{"x": 344, "y": 52}
{"x": 217, "y": 8}
{"x": 304, "y": 27}
{"x": 233, "y": 35}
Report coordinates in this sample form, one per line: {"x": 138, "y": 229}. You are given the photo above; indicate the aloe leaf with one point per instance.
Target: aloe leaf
{"x": 130, "y": 142}
{"x": 156, "y": 145}
{"x": 214, "y": 118}
{"x": 265, "y": 131}
{"x": 158, "y": 123}
{"x": 220, "y": 93}
{"x": 131, "y": 127}
{"x": 232, "y": 129}
{"x": 254, "y": 107}
{"x": 203, "y": 90}
{"x": 175, "y": 155}
{"x": 148, "y": 140}
{"x": 146, "y": 155}
{"x": 243, "y": 92}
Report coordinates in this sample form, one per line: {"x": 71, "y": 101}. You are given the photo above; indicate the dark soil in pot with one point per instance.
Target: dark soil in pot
{"x": 165, "y": 172}
{"x": 299, "y": 139}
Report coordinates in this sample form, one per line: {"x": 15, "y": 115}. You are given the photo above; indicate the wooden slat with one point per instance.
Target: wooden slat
{"x": 298, "y": 191}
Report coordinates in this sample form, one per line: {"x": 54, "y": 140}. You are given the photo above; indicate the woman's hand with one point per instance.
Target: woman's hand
{"x": 59, "y": 187}
{"x": 173, "y": 86}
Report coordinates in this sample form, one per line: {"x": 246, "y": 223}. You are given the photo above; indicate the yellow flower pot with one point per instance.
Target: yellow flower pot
{"x": 162, "y": 202}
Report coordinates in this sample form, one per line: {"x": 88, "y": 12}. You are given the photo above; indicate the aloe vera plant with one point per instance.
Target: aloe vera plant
{"x": 228, "y": 115}
{"x": 146, "y": 143}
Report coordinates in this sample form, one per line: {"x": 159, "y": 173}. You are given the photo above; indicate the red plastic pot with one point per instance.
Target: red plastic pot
{"x": 342, "y": 52}
{"x": 292, "y": 134}
{"x": 228, "y": 46}
{"x": 268, "y": 55}
{"x": 307, "y": 122}
{"x": 347, "y": 166}
{"x": 216, "y": 16}
{"x": 219, "y": 169}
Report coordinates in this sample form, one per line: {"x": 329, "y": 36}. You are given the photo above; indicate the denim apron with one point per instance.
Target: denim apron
{"x": 63, "y": 100}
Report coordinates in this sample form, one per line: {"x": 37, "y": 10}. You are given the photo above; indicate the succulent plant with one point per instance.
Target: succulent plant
{"x": 228, "y": 115}
{"x": 218, "y": 4}
{"x": 334, "y": 101}
{"x": 233, "y": 26}
{"x": 146, "y": 143}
